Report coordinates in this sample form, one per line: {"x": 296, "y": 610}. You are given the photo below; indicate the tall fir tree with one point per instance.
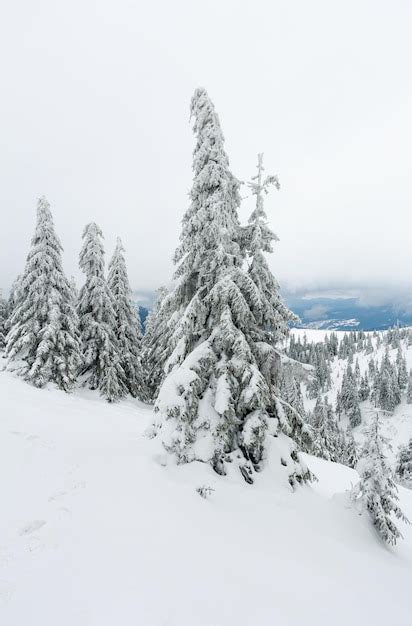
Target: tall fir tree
{"x": 223, "y": 369}
{"x": 127, "y": 323}
{"x": 376, "y": 488}
{"x": 101, "y": 358}
{"x": 43, "y": 339}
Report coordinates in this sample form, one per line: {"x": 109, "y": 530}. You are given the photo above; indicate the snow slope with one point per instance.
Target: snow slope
{"x": 397, "y": 428}
{"x": 96, "y": 531}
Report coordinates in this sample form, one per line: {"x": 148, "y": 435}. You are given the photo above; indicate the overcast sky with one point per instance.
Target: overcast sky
{"x": 94, "y": 111}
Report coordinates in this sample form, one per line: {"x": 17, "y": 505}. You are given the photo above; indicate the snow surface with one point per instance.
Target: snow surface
{"x": 99, "y": 528}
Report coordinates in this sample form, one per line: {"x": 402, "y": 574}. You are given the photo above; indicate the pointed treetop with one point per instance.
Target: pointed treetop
{"x": 202, "y": 106}
{"x": 43, "y": 208}
{"x": 91, "y": 259}
{"x": 119, "y": 246}
{"x": 207, "y": 127}
{"x": 92, "y": 229}
{"x": 261, "y": 235}
{"x": 262, "y": 185}
{"x": 44, "y": 230}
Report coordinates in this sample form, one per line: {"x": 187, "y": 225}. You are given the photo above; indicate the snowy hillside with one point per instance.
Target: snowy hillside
{"x": 397, "y": 425}
{"x": 96, "y": 530}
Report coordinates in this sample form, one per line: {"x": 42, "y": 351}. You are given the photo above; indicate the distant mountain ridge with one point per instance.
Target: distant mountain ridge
{"x": 323, "y": 313}
{"x": 345, "y": 314}
{"x": 352, "y": 324}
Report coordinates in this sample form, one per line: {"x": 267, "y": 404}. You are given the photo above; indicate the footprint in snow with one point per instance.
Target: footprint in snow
{"x": 32, "y": 439}
{"x": 6, "y": 591}
{"x": 32, "y": 527}
{"x": 57, "y": 495}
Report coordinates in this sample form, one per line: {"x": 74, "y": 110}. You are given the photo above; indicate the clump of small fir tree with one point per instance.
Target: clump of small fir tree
{"x": 101, "y": 357}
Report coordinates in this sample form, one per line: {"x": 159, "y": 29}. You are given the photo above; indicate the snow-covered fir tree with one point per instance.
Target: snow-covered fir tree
{"x": 321, "y": 380}
{"x": 126, "y": 323}
{"x": 328, "y": 439}
{"x": 364, "y": 388}
{"x": 349, "y": 398}
{"x": 290, "y": 389}
{"x": 371, "y": 369}
{"x": 3, "y": 321}
{"x": 402, "y": 370}
{"x": 393, "y": 338}
{"x": 369, "y": 345}
{"x": 291, "y": 394}
{"x": 352, "y": 457}
{"x": 357, "y": 372}
{"x": 222, "y": 374}
{"x": 409, "y": 389}
{"x": 157, "y": 340}
{"x": 12, "y": 301}
{"x": 43, "y": 339}
{"x": 338, "y": 404}
{"x": 101, "y": 367}
{"x": 404, "y": 464}
{"x": 387, "y": 385}
{"x": 150, "y": 322}
{"x": 376, "y": 488}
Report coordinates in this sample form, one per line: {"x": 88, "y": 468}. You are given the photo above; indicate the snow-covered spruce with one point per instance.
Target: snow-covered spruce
{"x": 223, "y": 370}
{"x": 127, "y": 323}
{"x": 387, "y": 391}
{"x": 3, "y": 321}
{"x": 351, "y": 449}
{"x": 376, "y": 488}
{"x": 329, "y": 440}
{"x": 348, "y": 401}
{"x": 12, "y": 301}
{"x": 404, "y": 464}
{"x": 101, "y": 359}
{"x": 43, "y": 337}
{"x": 156, "y": 343}
{"x": 409, "y": 389}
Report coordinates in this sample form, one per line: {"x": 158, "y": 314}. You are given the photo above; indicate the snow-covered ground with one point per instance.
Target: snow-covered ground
{"x": 96, "y": 531}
